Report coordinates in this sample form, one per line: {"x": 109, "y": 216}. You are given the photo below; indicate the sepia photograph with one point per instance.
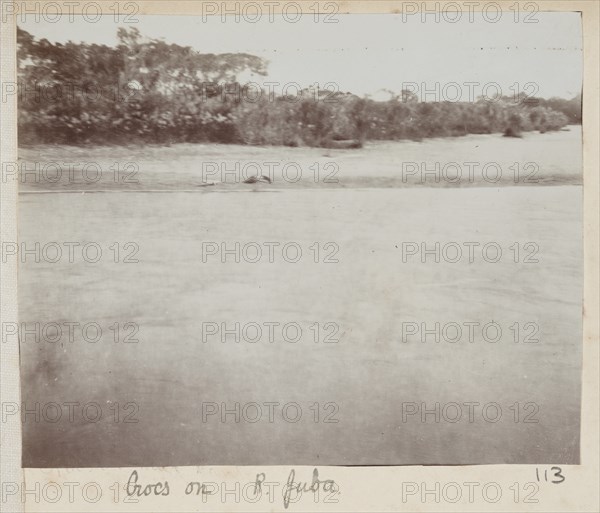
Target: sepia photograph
{"x": 308, "y": 238}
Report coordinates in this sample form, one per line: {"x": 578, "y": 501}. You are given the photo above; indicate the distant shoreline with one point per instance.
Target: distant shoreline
{"x": 536, "y": 160}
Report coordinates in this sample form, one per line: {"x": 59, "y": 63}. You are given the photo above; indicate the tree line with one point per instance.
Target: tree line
{"x": 149, "y": 91}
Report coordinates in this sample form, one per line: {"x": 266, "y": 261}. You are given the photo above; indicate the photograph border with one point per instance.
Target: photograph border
{"x": 360, "y": 488}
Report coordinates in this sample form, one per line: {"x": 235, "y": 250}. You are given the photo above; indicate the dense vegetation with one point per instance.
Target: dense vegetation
{"x": 154, "y": 92}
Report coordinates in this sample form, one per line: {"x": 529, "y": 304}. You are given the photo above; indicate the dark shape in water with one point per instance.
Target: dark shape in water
{"x": 256, "y": 179}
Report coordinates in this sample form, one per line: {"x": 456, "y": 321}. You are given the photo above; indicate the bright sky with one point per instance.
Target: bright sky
{"x": 366, "y": 53}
